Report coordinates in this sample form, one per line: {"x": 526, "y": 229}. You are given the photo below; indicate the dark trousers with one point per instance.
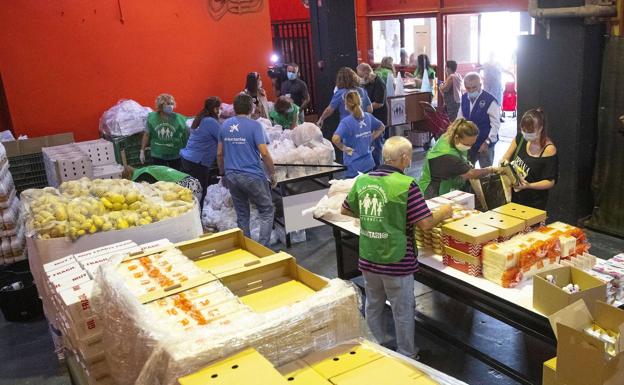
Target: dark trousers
{"x": 203, "y": 174}
{"x": 173, "y": 163}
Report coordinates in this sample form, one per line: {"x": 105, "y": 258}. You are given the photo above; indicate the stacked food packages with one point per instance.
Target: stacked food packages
{"x": 509, "y": 244}
{"x": 358, "y": 362}
{"x": 534, "y": 218}
{"x": 508, "y": 263}
{"x": 87, "y": 206}
{"x": 12, "y": 232}
{"x": 432, "y": 239}
{"x": 611, "y": 272}
{"x": 66, "y": 293}
{"x": 463, "y": 243}
{"x": 170, "y": 312}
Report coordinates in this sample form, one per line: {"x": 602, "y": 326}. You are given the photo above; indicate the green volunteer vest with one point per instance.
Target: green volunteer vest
{"x": 381, "y": 204}
{"x": 442, "y": 147}
{"x": 167, "y": 136}
{"x": 161, "y": 173}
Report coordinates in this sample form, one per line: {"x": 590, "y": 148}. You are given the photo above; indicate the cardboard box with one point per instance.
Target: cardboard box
{"x": 246, "y": 367}
{"x": 461, "y": 261}
{"x": 178, "y": 229}
{"x": 385, "y": 370}
{"x": 76, "y": 301}
{"x": 468, "y": 236}
{"x": 581, "y": 358}
{"x": 549, "y": 298}
{"x": 300, "y": 373}
{"x": 224, "y": 251}
{"x": 549, "y": 372}
{"x": 274, "y": 282}
{"x": 34, "y": 145}
{"x": 461, "y": 198}
{"x": 507, "y": 226}
{"x": 342, "y": 358}
{"x": 533, "y": 217}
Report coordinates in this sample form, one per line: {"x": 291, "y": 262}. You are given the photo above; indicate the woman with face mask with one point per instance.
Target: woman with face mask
{"x": 166, "y": 133}
{"x": 285, "y": 113}
{"x": 447, "y": 167}
{"x": 536, "y": 156}
{"x": 253, "y": 88}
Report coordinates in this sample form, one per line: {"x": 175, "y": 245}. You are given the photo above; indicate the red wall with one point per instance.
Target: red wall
{"x": 288, "y": 10}
{"x": 64, "y": 63}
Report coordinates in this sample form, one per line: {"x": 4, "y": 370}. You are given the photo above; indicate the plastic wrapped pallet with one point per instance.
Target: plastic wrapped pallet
{"x": 142, "y": 349}
{"x": 125, "y": 118}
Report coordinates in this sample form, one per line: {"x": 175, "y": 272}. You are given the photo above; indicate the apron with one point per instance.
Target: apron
{"x": 442, "y": 147}
{"x": 381, "y": 204}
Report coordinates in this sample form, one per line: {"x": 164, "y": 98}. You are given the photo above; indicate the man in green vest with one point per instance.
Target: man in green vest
{"x": 389, "y": 205}
{"x": 447, "y": 167}
{"x": 153, "y": 174}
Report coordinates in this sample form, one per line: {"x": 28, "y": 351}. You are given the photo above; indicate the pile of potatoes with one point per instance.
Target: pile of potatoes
{"x": 87, "y": 206}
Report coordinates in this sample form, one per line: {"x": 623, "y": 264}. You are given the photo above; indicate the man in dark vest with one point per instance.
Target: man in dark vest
{"x": 481, "y": 108}
{"x": 389, "y": 205}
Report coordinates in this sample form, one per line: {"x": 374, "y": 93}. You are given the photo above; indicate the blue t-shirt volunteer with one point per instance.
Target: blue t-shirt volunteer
{"x": 201, "y": 147}
{"x": 358, "y": 134}
{"x": 240, "y": 137}
{"x": 338, "y": 101}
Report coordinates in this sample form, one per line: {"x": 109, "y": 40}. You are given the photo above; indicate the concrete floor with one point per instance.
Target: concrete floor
{"x": 27, "y": 357}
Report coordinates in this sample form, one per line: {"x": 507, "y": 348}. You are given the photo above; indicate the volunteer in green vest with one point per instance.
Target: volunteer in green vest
{"x": 153, "y": 174}
{"x": 389, "y": 205}
{"x": 166, "y": 133}
{"x": 447, "y": 167}
{"x": 285, "y": 113}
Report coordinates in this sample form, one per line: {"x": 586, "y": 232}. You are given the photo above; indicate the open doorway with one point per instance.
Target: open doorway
{"x": 487, "y": 43}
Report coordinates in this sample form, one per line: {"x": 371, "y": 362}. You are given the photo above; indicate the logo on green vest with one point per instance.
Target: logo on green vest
{"x": 373, "y": 199}
{"x": 165, "y": 131}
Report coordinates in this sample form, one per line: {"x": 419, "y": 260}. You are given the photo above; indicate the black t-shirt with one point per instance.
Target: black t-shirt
{"x": 442, "y": 168}
{"x": 376, "y": 91}
{"x": 539, "y": 168}
{"x": 297, "y": 89}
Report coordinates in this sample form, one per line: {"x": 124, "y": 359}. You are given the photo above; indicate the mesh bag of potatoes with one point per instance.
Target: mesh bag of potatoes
{"x": 87, "y": 206}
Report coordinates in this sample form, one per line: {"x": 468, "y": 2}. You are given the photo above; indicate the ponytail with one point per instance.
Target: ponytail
{"x": 461, "y": 128}
{"x": 353, "y": 102}
{"x": 209, "y": 105}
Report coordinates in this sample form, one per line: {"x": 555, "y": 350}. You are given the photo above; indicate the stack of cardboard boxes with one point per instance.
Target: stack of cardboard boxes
{"x": 67, "y": 298}
{"x": 355, "y": 363}
{"x": 12, "y": 231}
{"x": 247, "y": 296}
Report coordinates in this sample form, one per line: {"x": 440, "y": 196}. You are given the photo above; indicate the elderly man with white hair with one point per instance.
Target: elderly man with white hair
{"x": 389, "y": 204}
{"x": 481, "y": 108}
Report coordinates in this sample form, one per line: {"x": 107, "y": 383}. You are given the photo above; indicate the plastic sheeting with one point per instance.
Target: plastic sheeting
{"x": 125, "y": 118}
{"x": 143, "y": 349}
{"x": 329, "y": 207}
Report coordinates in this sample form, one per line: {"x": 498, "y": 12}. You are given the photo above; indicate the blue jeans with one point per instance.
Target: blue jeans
{"x": 400, "y": 292}
{"x": 246, "y": 188}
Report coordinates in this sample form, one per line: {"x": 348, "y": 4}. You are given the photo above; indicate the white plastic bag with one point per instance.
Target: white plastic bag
{"x": 125, "y": 118}
{"x": 306, "y": 132}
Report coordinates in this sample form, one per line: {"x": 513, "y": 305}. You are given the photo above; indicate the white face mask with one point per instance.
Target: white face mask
{"x": 462, "y": 147}
{"x": 530, "y": 136}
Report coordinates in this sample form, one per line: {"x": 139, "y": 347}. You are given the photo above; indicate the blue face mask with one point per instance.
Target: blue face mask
{"x": 291, "y": 75}
{"x": 168, "y": 109}
{"x": 290, "y": 110}
{"x": 473, "y": 95}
